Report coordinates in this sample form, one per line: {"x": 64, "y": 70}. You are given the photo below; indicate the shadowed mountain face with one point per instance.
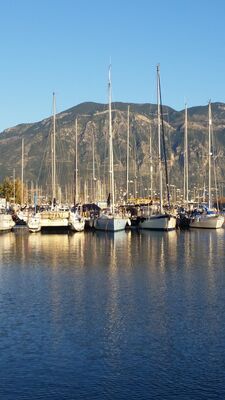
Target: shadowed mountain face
{"x": 92, "y": 136}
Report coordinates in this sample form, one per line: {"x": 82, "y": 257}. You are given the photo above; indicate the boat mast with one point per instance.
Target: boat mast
{"x": 185, "y": 158}
{"x": 93, "y": 166}
{"x": 14, "y": 185}
{"x": 135, "y": 169}
{"x": 151, "y": 164}
{"x": 159, "y": 140}
{"x": 128, "y": 140}
{"x": 164, "y": 144}
{"x": 111, "y": 169}
{"x": 203, "y": 197}
{"x": 53, "y": 155}
{"x": 22, "y": 167}
{"x": 210, "y": 152}
{"x": 76, "y": 169}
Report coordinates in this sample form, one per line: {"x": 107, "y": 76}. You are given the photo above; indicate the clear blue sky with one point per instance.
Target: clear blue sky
{"x": 66, "y": 45}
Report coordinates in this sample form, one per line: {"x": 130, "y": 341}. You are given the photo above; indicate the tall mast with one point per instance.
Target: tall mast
{"x": 93, "y": 167}
{"x": 111, "y": 169}
{"x": 135, "y": 169}
{"x": 128, "y": 140}
{"x": 203, "y": 197}
{"x": 159, "y": 139}
{"x": 76, "y": 169}
{"x": 210, "y": 152}
{"x": 185, "y": 158}
{"x": 14, "y": 185}
{"x": 22, "y": 167}
{"x": 151, "y": 166}
{"x": 164, "y": 146}
{"x": 53, "y": 154}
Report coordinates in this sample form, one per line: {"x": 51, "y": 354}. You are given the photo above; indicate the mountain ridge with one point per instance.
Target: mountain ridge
{"x": 93, "y": 128}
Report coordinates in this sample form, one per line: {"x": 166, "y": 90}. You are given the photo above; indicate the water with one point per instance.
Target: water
{"x": 112, "y": 316}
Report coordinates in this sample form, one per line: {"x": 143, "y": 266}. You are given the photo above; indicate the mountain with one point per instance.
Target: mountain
{"x": 93, "y": 131}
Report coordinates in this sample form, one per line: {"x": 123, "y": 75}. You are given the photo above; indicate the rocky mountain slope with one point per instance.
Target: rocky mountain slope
{"x": 93, "y": 147}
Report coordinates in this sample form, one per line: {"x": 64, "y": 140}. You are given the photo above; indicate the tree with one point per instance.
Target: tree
{"x": 7, "y": 189}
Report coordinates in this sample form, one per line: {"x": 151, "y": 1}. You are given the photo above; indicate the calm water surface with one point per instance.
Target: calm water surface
{"x": 112, "y": 316}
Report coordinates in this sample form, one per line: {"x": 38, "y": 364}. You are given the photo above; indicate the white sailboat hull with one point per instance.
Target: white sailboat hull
{"x": 110, "y": 223}
{"x": 6, "y": 222}
{"x": 76, "y": 223}
{"x": 23, "y": 216}
{"x": 48, "y": 220}
{"x": 207, "y": 222}
{"x": 162, "y": 222}
{"x": 54, "y": 223}
{"x": 34, "y": 223}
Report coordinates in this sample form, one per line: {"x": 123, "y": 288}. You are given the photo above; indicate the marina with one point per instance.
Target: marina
{"x": 161, "y": 210}
{"x": 112, "y": 200}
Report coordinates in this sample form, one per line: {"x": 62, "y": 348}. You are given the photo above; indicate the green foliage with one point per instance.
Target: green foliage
{"x": 9, "y": 189}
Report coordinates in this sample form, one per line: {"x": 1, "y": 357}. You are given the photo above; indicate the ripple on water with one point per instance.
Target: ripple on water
{"x": 112, "y": 316}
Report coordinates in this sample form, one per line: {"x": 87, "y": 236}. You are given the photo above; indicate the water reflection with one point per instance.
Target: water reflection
{"x": 160, "y": 246}
{"x": 112, "y": 308}
{"x": 158, "y": 250}
{"x": 7, "y": 245}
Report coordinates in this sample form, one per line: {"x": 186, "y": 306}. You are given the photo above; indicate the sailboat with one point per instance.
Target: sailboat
{"x": 183, "y": 213}
{"x": 111, "y": 219}
{"x": 56, "y": 218}
{"x": 34, "y": 220}
{"x": 76, "y": 221}
{"x": 157, "y": 218}
{"x": 208, "y": 218}
{"x": 186, "y": 188}
{"x": 34, "y": 223}
{"x": 6, "y": 221}
{"x": 22, "y": 213}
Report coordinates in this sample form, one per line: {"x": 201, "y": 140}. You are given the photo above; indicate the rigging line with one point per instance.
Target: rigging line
{"x": 135, "y": 166}
{"x": 103, "y": 156}
{"x": 167, "y": 113}
{"x": 215, "y": 179}
{"x": 44, "y": 157}
{"x": 215, "y": 169}
{"x": 62, "y": 168}
{"x": 164, "y": 146}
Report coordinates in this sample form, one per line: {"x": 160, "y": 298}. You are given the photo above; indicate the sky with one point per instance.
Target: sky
{"x": 66, "y": 46}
